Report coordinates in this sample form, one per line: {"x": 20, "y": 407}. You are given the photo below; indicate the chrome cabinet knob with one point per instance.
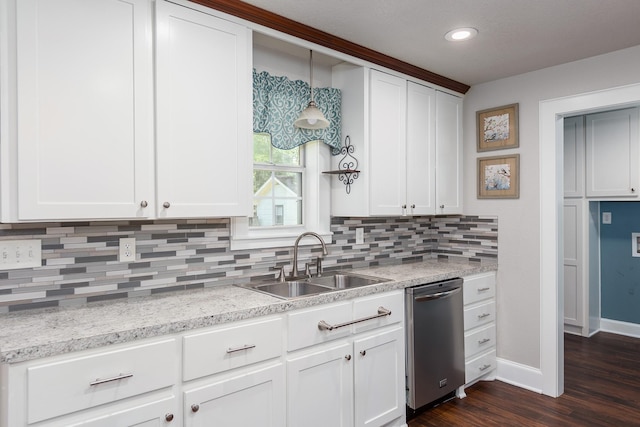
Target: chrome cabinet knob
{"x": 441, "y": 206}
{"x": 413, "y": 206}
{"x": 348, "y": 357}
{"x": 633, "y": 190}
{"x": 166, "y": 205}
{"x": 168, "y": 417}
{"x": 404, "y": 206}
{"x": 195, "y": 408}
{"x": 144, "y": 204}
{"x": 363, "y": 352}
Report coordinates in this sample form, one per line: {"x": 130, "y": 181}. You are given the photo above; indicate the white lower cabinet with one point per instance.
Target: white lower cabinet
{"x": 354, "y": 380}
{"x": 349, "y": 372}
{"x": 250, "y": 397}
{"x": 320, "y": 387}
{"x": 162, "y": 412}
{"x": 379, "y": 391}
{"x": 122, "y": 385}
{"x": 479, "y": 293}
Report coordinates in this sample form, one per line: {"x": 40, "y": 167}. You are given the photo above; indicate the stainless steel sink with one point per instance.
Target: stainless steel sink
{"x": 345, "y": 280}
{"x": 304, "y": 287}
{"x": 293, "y": 289}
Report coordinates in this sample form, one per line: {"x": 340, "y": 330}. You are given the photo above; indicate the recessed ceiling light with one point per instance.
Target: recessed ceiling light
{"x": 460, "y": 34}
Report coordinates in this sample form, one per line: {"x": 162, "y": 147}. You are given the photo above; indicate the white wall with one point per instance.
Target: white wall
{"x": 519, "y": 309}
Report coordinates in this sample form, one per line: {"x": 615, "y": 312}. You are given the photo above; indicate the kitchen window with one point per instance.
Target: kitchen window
{"x": 277, "y": 184}
{"x": 290, "y": 195}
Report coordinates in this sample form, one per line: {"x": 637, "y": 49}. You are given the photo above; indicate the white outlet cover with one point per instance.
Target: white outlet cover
{"x": 127, "y": 250}
{"x": 606, "y": 217}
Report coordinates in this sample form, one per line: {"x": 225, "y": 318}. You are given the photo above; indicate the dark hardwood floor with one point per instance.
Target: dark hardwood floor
{"x": 602, "y": 388}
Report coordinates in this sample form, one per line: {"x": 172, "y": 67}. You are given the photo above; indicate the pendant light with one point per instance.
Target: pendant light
{"x": 311, "y": 117}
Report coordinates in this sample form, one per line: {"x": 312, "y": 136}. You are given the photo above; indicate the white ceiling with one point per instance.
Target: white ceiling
{"x": 515, "y": 36}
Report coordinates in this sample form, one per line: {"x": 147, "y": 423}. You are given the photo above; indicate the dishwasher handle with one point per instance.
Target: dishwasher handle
{"x": 437, "y": 295}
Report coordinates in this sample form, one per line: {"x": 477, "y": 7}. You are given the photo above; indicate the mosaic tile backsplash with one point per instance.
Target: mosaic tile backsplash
{"x": 80, "y": 260}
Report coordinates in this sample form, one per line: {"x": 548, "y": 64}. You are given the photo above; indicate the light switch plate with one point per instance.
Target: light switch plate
{"x": 635, "y": 244}
{"x": 15, "y": 254}
{"x": 359, "y": 236}
{"x": 606, "y": 217}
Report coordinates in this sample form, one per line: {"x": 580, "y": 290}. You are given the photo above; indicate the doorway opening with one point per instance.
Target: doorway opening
{"x": 552, "y": 113}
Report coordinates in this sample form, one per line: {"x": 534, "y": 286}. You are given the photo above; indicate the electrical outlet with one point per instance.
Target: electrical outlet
{"x": 127, "y": 249}
{"x": 606, "y": 217}
{"x": 16, "y": 254}
{"x": 359, "y": 236}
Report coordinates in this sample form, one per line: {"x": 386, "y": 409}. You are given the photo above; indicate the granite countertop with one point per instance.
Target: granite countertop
{"x": 41, "y": 333}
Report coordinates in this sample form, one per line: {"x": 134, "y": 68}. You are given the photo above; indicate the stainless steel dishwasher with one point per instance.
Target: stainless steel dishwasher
{"x": 435, "y": 342}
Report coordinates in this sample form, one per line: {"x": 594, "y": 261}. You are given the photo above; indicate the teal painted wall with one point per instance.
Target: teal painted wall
{"x": 620, "y": 280}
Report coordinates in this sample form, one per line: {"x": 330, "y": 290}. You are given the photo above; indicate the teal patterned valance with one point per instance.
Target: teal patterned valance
{"x": 277, "y": 103}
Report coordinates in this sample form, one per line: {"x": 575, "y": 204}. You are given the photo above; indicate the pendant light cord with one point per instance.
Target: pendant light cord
{"x": 311, "y": 72}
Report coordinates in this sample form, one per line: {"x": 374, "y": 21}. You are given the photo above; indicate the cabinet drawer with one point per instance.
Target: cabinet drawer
{"x": 479, "y": 366}
{"x": 479, "y": 287}
{"x": 479, "y": 315}
{"x": 368, "y": 306}
{"x": 302, "y": 326}
{"x": 82, "y": 382}
{"x": 222, "y": 349}
{"x": 479, "y": 340}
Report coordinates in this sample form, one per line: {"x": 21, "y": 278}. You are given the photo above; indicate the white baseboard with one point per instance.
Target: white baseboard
{"x": 522, "y": 376}
{"x": 620, "y": 328}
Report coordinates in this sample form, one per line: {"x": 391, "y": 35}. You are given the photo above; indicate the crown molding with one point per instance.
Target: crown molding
{"x": 280, "y": 23}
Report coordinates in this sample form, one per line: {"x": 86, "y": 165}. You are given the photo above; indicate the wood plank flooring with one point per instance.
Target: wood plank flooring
{"x": 602, "y": 388}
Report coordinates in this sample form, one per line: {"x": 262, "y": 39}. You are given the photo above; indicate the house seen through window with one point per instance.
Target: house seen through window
{"x": 277, "y": 184}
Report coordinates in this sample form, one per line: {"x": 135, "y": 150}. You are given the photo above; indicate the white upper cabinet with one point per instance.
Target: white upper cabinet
{"x": 612, "y": 153}
{"x": 204, "y": 113}
{"x": 84, "y": 110}
{"x": 387, "y": 168}
{"x": 407, "y": 140}
{"x": 420, "y": 149}
{"x": 574, "y": 156}
{"x": 448, "y": 154}
{"x": 78, "y": 111}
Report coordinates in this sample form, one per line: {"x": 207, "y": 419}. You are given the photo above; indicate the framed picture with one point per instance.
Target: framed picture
{"x": 498, "y": 128}
{"x": 499, "y": 177}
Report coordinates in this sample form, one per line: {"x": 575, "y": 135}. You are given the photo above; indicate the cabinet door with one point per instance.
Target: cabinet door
{"x": 155, "y": 414}
{"x": 320, "y": 388}
{"x": 85, "y": 109}
{"x": 387, "y": 174}
{"x": 574, "y": 157}
{"x": 421, "y": 149}
{"x": 612, "y": 150}
{"x": 574, "y": 283}
{"x": 251, "y": 398}
{"x": 203, "y": 80}
{"x": 379, "y": 378}
{"x": 448, "y": 154}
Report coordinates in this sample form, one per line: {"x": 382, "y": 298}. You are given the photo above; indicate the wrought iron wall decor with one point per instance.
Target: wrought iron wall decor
{"x": 347, "y": 166}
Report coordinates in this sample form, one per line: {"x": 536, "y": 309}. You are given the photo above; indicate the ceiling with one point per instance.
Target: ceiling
{"x": 515, "y": 36}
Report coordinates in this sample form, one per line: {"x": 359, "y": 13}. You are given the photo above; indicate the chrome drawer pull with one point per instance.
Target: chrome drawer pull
{"x": 484, "y": 367}
{"x": 108, "y": 380}
{"x": 324, "y": 326}
{"x": 483, "y": 315}
{"x": 241, "y": 348}
{"x": 484, "y": 289}
{"x": 486, "y": 340}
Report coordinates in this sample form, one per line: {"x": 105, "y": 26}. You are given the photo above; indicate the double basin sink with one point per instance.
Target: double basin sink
{"x": 315, "y": 285}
